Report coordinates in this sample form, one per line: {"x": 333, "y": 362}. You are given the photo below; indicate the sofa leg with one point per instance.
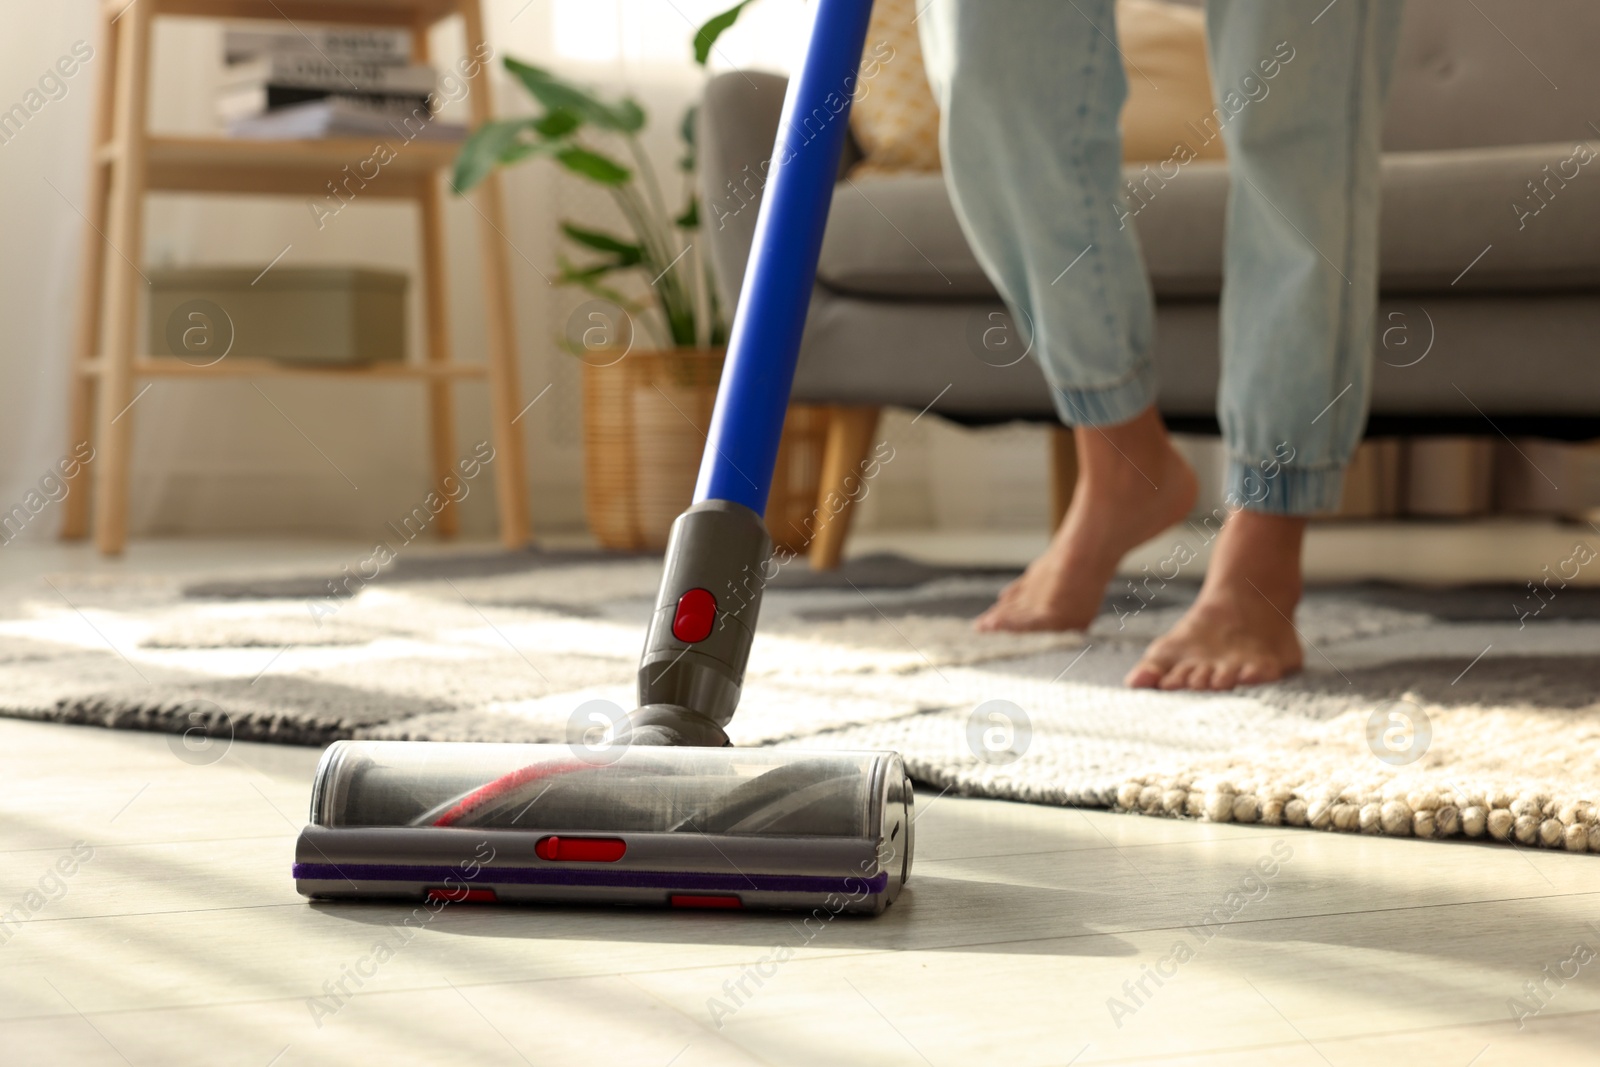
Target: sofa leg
{"x": 850, "y": 432}
{"x": 1063, "y": 473}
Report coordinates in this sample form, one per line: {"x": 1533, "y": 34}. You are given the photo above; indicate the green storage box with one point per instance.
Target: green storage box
{"x": 319, "y": 315}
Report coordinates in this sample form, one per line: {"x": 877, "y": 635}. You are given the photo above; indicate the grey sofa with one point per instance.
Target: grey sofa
{"x": 1505, "y": 302}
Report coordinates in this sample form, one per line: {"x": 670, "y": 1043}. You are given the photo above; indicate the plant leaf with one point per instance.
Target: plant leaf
{"x": 587, "y": 279}
{"x": 688, "y": 131}
{"x": 557, "y": 94}
{"x": 706, "y": 37}
{"x": 574, "y": 275}
{"x": 558, "y": 122}
{"x": 487, "y": 147}
{"x": 593, "y": 165}
{"x": 716, "y": 325}
{"x": 517, "y": 151}
{"x": 630, "y": 114}
{"x": 690, "y": 219}
{"x": 626, "y": 252}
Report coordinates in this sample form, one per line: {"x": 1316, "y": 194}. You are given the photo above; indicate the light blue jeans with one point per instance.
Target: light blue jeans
{"x": 1031, "y": 92}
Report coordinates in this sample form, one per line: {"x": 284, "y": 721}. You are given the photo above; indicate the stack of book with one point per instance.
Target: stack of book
{"x": 329, "y": 82}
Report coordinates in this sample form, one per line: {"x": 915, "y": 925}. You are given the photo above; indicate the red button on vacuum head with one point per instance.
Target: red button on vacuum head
{"x": 691, "y": 900}
{"x": 461, "y": 895}
{"x": 697, "y": 613}
{"x": 581, "y": 849}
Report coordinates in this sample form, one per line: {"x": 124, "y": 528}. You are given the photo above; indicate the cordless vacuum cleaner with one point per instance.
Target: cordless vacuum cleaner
{"x": 668, "y": 814}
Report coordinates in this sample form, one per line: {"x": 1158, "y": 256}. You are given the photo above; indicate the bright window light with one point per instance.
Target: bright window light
{"x": 586, "y": 30}
{"x": 661, "y": 31}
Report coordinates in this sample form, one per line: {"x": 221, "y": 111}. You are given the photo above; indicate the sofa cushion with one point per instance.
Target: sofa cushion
{"x": 1532, "y": 212}
{"x": 1493, "y": 72}
{"x": 898, "y": 236}
{"x": 1443, "y": 213}
{"x": 1163, "y": 47}
{"x": 1475, "y": 358}
{"x": 895, "y": 117}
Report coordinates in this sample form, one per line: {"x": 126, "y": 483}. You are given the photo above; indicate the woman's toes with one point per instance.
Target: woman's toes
{"x": 1142, "y": 677}
{"x": 1225, "y": 675}
{"x": 1178, "y": 676}
{"x": 1256, "y": 672}
{"x": 1147, "y": 673}
{"x": 1005, "y": 606}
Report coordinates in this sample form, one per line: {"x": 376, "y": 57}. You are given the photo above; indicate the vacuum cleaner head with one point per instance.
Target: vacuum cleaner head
{"x": 673, "y": 816}
{"x": 678, "y": 827}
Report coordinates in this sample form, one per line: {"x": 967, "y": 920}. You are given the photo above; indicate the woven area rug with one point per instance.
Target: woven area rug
{"x": 1455, "y": 713}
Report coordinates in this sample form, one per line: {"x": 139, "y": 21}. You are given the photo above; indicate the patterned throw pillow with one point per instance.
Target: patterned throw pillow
{"x": 895, "y": 117}
{"x": 1169, "y": 85}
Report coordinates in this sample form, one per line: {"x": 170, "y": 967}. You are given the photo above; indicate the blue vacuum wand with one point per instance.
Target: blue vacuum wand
{"x": 705, "y": 615}
{"x": 706, "y": 826}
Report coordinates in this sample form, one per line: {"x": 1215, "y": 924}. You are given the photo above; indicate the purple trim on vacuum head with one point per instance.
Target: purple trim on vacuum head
{"x": 759, "y": 883}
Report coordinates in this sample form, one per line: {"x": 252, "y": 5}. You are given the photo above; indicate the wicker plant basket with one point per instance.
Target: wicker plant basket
{"x": 797, "y": 479}
{"x": 644, "y": 421}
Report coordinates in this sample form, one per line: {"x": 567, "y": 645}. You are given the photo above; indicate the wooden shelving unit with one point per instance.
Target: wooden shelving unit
{"x": 283, "y": 168}
{"x": 168, "y": 367}
{"x": 127, "y": 162}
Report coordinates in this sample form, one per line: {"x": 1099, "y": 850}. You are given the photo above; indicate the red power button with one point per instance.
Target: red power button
{"x": 697, "y": 612}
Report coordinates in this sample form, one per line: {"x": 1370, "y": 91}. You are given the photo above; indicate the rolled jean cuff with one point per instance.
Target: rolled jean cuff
{"x": 1279, "y": 490}
{"x": 1109, "y": 405}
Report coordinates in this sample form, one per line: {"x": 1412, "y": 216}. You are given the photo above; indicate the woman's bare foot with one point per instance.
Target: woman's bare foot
{"x": 1132, "y": 484}
{"x": 1239, "y": 631}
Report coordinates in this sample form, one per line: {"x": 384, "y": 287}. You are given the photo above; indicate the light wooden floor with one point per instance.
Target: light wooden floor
{"x": 180, "y": 940}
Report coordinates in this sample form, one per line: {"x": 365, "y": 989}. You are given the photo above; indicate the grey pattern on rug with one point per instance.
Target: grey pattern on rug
{"x": 1436, "y": 713}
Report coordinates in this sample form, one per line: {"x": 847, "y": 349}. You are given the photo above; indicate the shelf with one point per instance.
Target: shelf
{"x": 352, "y": 12}
{"x": 290, "y": 168}
{"x": 168, "y": 367}
{"x": 128, "y": 162}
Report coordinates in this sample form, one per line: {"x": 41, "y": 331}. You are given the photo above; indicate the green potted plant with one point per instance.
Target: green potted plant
{"x": 570, "y": 131}
{"x": 683, "y": 294}
{"x": 646, "y": 405}
{"x": 652, "y": 362}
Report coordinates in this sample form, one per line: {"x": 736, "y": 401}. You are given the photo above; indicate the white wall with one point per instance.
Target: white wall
{"x": 216, "y": 457}
{"x": 39, "y": 237}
